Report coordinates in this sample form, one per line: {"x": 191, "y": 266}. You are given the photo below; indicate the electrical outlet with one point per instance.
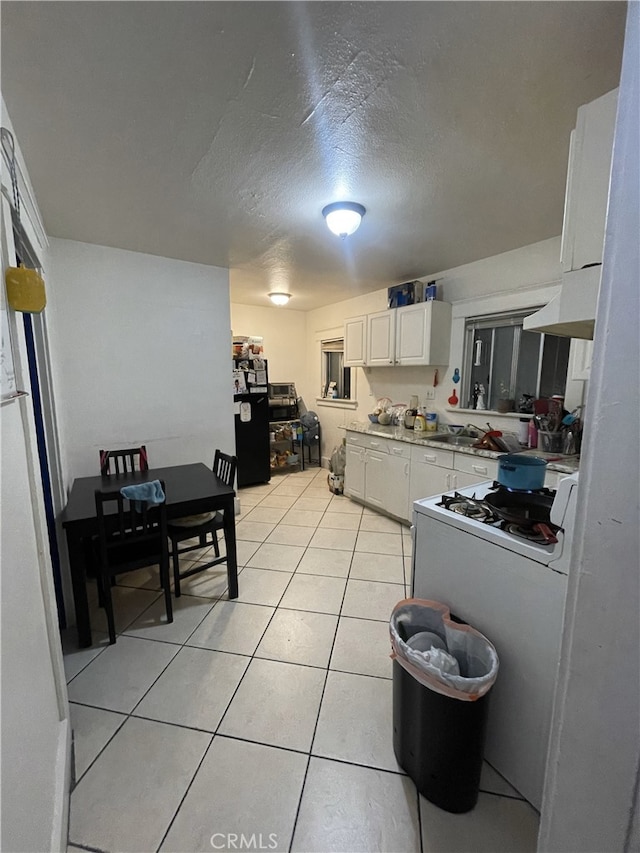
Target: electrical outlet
{"x": 430, "y": 394}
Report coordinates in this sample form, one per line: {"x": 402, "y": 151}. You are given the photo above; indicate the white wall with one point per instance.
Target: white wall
{"x": 284, "y": 333}
{"x": 591, "y": 799}
{"x": 143, "y": 349}
{"x": 35, "y": 715}
{"x": 525, "y": 277}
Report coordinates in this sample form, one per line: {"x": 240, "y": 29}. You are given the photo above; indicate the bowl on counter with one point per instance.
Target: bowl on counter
{"x": 384, "y": 418}
{"x": 373, "y": 419}
{"x": 455, "y": 429}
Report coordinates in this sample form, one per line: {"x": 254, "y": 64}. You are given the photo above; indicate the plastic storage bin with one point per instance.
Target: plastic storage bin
{"x": 439, "y": 717}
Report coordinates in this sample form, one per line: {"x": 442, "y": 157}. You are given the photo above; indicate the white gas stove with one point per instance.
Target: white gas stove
{"x": 562, "y": 516}
{"x": 512, "y": 590}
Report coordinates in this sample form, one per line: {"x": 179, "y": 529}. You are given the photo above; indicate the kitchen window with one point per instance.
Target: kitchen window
{"x": 334, "y": 374}
{"x": 509, "y": 361}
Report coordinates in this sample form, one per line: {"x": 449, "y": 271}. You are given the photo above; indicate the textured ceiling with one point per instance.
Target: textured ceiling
{"x": 216, "y": 132}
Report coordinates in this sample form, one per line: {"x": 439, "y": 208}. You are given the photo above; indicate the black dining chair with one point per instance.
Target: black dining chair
{"x": 124, "y": 461}
{"x": 204, "y": 527}
{"x": 129, "y": 539}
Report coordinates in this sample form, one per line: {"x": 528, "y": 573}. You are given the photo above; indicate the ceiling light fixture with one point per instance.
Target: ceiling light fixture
{"x": 279, "y": 298}
{"x": 343, "y": 217}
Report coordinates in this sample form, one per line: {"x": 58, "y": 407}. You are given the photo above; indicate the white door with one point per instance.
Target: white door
{"x": 412, "y": 334}
{"x": 427, "y": 480}
{"x": 588, "y": 183}
{"x": 381, "y": 338}
{"x": 397, "y": 496}
{"x": 355, "y": 341}
{"x": 460, "y": 479}
{"x": 376, "y": 478}
{"x": 354, "y": 472}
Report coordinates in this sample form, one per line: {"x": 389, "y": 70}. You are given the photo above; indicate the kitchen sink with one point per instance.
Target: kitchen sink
{"x": 457, "y": 440}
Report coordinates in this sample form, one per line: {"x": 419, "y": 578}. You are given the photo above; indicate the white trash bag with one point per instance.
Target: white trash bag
{"x": 448, "y": 657}
{"x": 337, "y": 464}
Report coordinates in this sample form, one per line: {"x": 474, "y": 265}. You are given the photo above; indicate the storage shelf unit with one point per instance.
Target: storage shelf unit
{"x": 286, "y": 444}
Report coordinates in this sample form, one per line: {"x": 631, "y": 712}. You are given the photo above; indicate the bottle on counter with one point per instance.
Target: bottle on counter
{"x": 420, "y": 422}
{"x": 432, "y": 421}
{"x": 533, "y": 435}
{"x": 523, "y": 431}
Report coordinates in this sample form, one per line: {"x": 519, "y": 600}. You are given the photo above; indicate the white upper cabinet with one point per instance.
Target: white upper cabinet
{"x": 411, "y": 335}
{"x": 381, "y": 338}
{"x": 423, "y": 333}
{"x": 355, "y": 341}
{"x": 587, "y": 189}
{"x": 580, "y": 359}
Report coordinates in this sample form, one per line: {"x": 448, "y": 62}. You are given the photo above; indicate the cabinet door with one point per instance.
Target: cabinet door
{"x": 426, "y": 481}
{"x": 423, "y": 333}
{"x": 375, "y": 483}
{"x": 397, "y": 489}
{"x": 588, "y": 183}
{"x": 460, "y": 480}
{"x": 381, "y": 338}
{"x": 580, "y": 359}
{"x": 413, "y": 334}
{"x": 354, "y": 472}
{"x": 477, "y": 469}
{"x": 355, "y": 341}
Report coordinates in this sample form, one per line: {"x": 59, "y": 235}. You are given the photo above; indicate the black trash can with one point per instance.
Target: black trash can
{"x": 439, "y": 720}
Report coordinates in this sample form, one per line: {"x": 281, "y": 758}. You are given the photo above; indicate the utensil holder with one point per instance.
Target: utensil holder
{"x": 550, "y": 442}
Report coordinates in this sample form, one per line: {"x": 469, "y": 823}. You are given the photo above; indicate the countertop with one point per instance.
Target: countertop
{"x": 556, "y": 461}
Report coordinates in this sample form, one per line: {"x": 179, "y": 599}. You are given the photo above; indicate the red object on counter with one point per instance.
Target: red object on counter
{"x": 453, "y": 399}
{"x": 533, "y": 434}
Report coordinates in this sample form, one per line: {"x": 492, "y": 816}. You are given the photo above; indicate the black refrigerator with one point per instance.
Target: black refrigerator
{"x": 251, "y": 408}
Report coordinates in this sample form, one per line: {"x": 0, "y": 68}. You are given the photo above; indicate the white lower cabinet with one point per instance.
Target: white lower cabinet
{"x": 375, "y": 480}
{"x": 431, "y": 472}
{"x": 471, "y": 469}
{"x": 354, "y": 471}
{"x": 397, "y": 481}
{"x": 390, "y": 475}
{"x": 377, "y": 473}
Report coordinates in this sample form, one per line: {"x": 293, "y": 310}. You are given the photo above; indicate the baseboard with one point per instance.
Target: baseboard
{"x": 60, "y": 822}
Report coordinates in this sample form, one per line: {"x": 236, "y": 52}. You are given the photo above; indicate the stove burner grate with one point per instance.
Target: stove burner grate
{"x": 528, "y": 533}
{"x": 479, "y": 510}
{"x": 469, "y": 507}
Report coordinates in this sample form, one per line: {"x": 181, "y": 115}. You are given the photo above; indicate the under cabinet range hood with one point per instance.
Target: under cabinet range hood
{"x": 572, "y": 313}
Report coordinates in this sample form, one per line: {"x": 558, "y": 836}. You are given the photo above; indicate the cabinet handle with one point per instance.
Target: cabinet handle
{"x": 375, "y": 444}
{"x": 397, "y": 451}
{"x": 430, "y": 458}
{"x": 406, "y": 469}
{"x": 480, "y": 469}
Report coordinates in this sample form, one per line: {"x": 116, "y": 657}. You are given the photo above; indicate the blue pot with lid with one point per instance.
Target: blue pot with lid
{"x": 524, "y": 473}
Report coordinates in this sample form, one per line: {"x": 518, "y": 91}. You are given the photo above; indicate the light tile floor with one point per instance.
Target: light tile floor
{"x": 269, "y": 716}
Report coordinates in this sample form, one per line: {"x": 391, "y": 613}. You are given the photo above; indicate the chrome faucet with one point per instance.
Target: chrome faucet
{"x": 476, "y": 429}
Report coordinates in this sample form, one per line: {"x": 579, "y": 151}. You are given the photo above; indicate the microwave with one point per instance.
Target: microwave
{"x": 283, "y": 411}
{"x": 282, "y": 391}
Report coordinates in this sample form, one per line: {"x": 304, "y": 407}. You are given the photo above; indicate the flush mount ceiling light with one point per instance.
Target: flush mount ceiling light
{"x": 279, "y": 298}
{"x": 343, "y": 217}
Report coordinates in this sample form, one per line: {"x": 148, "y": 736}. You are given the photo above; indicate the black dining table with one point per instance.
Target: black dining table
{"x": 190, "y": 489}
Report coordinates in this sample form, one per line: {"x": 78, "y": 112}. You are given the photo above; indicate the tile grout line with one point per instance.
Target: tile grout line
{"x": 276, "y": 608}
